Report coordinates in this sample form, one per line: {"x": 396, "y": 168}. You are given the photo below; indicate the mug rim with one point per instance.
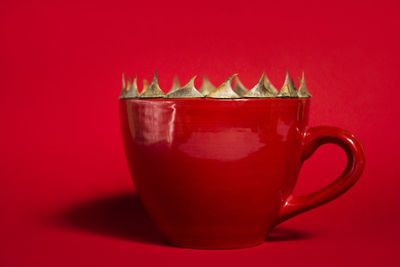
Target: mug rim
{"x": 253, "y": 99}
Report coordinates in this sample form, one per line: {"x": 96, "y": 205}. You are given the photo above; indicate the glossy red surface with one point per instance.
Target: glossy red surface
{"x": 220, "y": 173}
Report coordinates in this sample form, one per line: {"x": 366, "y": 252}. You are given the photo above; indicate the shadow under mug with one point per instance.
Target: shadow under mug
{"x": 218, "y": 174}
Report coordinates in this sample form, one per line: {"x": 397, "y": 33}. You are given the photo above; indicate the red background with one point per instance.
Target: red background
{"x": 66, "y": 198}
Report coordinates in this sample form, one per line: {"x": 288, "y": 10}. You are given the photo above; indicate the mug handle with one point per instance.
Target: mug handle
{"x": 313, "y": 138}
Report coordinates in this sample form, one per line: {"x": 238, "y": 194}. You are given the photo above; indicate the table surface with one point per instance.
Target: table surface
{"x": 66, "y": 197}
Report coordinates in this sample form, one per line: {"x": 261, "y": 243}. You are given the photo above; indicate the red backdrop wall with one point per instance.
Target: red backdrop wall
{"x": 66, "y": 197}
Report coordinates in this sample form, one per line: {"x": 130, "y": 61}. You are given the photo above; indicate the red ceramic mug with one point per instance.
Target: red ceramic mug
{"x": 216, "y": 173}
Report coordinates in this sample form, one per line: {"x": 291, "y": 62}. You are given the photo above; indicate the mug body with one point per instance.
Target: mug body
{"x": 214, "y": 173}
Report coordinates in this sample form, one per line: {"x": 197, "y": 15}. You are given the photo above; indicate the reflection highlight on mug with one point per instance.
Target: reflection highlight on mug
{"x": 217, "y": 145}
